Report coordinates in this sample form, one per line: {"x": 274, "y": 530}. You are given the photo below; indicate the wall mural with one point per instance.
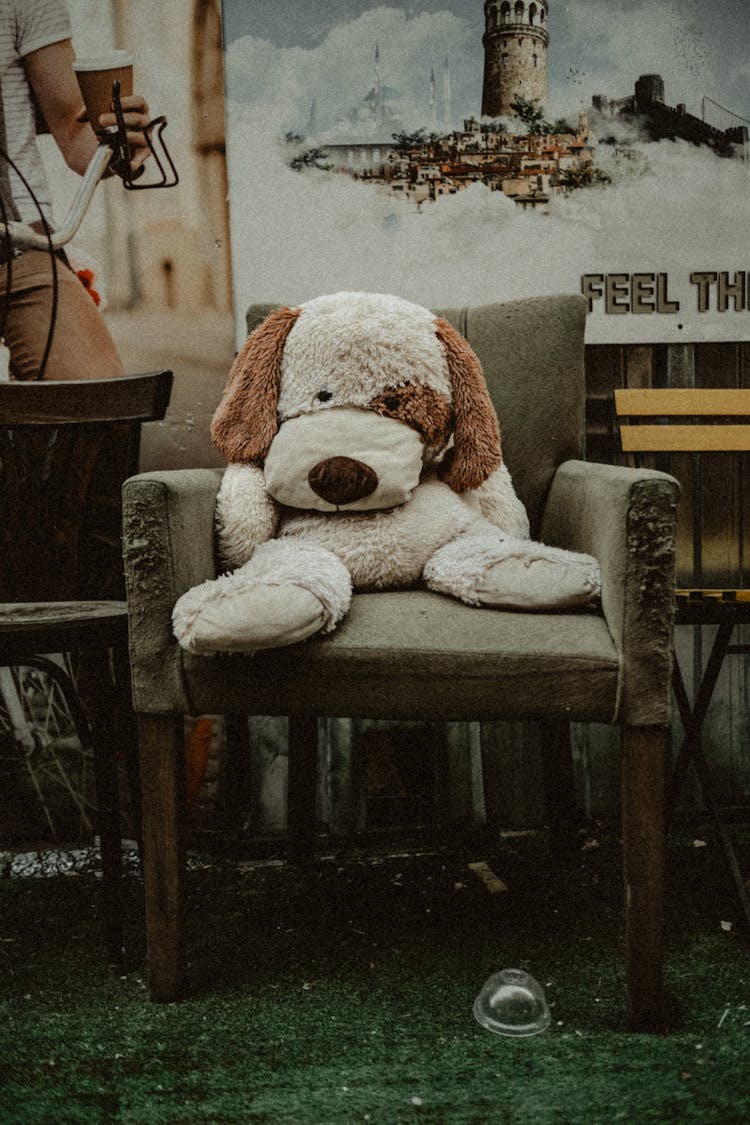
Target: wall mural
{"x": 457, "y": 152}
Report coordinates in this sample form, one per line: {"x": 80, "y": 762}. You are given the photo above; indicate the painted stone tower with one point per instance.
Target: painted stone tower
{"x": 515, "y": 55}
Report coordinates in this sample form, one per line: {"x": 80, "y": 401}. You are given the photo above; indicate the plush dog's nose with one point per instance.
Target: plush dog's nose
{"x": 342, "y": 480}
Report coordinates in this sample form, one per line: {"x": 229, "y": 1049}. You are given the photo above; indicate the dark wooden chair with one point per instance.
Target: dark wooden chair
{"x": 694, "y": 424}
{"x": 65, "y": 450}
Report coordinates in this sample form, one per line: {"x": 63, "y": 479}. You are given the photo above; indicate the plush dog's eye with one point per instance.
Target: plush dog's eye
{"x": 324, "y": 396}
{"x": 424, "y": 409}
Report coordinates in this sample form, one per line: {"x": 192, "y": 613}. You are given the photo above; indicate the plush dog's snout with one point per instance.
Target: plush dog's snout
{"x": 342, "y": 480}
{"x": 343, "y": 458}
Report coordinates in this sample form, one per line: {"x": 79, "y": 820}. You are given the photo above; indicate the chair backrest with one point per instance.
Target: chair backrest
{"x": 65, "y": 450}
{"x": 698, "y": 434}
{"x": 531, "y": 351}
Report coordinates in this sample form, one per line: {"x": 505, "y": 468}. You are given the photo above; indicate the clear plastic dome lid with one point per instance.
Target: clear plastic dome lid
{"x": 512, "y": 1003}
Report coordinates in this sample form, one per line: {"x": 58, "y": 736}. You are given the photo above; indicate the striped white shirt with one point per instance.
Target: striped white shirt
{"x": 26, "y": 26}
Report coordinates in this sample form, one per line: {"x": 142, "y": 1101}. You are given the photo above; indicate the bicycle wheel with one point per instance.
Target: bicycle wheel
{"x": 46, "y": 759}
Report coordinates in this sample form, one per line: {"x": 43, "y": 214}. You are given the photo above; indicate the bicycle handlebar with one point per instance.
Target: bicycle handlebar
{"x": 112, "y": 153}
{"x": 23, "y": 237}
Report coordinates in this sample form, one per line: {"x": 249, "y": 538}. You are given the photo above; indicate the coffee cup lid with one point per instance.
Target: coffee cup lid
{"x": 105, "y": 62}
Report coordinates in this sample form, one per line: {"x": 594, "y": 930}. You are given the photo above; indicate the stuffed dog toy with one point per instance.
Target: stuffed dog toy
{"x": 364, "y": 453}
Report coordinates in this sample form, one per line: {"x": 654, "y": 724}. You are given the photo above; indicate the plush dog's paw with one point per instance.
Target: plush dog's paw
{"x": 236, "y": 618}
{"x": 485, "y": 567}
{"x": 537, "y": 583}
{"x": 286, "y": 592}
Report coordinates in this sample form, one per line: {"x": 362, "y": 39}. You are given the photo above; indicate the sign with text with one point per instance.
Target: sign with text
{"x": 456, "y": 152}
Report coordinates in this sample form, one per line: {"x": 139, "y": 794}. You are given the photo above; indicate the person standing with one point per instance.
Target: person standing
{"x": 36, "y": 74}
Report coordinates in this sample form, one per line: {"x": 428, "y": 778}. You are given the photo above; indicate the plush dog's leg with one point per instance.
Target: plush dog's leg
{"x": 485, "y": 567}
{"x": 285, "y": 593}
{"x": 245, "y": 514}
{"x": 500, "y": 506}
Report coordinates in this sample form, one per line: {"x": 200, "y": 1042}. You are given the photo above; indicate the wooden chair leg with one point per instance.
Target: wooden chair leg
{"x": 644, "y": 759}
{"x": 302, "y": 785}
{"x": 97, "y": 694}
{"x": 161, "y": 746}
{"x": 108, "y": 817}
{"x": 128, "y": 735}
{"x": 559, "y": 786}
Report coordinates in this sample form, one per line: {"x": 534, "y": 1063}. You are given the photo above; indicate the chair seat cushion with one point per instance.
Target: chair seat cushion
{"x": 27, "y": 628}
{"x": 386, "y": 657}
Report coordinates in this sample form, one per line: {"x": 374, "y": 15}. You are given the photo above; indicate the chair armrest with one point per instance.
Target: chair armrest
{"x": 168, "y": 546}
{"x": 626, "y": 518}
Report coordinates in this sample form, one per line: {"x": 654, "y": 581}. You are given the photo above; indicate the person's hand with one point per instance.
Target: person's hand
{"x": 136, "y": 114}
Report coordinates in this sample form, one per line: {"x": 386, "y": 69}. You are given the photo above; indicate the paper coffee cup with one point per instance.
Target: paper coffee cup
{"x": 95, "y": 77}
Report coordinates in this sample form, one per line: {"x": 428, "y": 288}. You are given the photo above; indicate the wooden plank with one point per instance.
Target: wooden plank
{"x": 638, "y": 366}
{"x": 650, "y": 401}
{"x": 639, "y": 374}
{"x": 743, "y": 378}
{"x": 682, "y": 439}
{"x": 731, "y": 596}
{"x": 681, "y": 465}
{"x": 604, "y": 370}
{"x": 679, "y": 372}
{"x": 461, "y": 778}
{"x": 563, "y": 816}
{"x": 513, "y": 779}
{"x": 744, "y": 519}
{"x": 679, "y": 365}
{"x": 717, "y": 366}
{"x": 728, "y": 726}
{"x": 719, "y": 531}
{"x": 339, "y": 780}
{"x": 302, "y": 786}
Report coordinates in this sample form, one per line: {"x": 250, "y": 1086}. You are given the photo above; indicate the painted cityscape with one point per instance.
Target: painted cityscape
{"x": 512, "y": 146}
{"x": 495, "y": 150}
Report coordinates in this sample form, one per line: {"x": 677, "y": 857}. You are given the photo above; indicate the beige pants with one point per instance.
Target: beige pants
{"x": 82, "y": 347}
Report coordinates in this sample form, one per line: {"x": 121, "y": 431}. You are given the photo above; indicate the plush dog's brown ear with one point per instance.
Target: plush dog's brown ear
{"x": 244, "y": 424}
{"x": 475, "y": 453}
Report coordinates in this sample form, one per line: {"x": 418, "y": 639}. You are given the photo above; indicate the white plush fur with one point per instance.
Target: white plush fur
{"x": 292, "y": 567}
{"x": 500, "y": 506}
{"x": 388, "y": 549}
{"x": 355, "y": 344}
{"x": 486, "y": 566}
{"x": 284, "y": 593}
{"x": 243, "y": 490}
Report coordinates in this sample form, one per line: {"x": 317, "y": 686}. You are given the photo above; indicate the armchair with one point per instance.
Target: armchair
{"x": 418, "y": 655}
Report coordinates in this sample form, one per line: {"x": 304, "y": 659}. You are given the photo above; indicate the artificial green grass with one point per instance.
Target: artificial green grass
{"x": 342, "y": 992}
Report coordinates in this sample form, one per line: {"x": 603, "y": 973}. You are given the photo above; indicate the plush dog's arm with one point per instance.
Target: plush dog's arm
{"x": 245, "y": 514}
{"x": 500, "y": 505}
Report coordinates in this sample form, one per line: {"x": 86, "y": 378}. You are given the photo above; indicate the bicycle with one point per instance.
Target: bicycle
{"x": 45, "y": 748}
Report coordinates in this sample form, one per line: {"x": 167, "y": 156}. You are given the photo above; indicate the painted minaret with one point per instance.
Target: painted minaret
{"x": 515, "y": 54}
{"x": 447, "y": 98}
